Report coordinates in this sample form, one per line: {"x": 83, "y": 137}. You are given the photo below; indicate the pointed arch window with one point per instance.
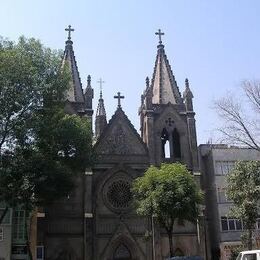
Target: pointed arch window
{"x": 176, "y": 144}
{"x": 165, "y": 142}
{"x": 122, "y": 253}
{"x": 170, "y": 144}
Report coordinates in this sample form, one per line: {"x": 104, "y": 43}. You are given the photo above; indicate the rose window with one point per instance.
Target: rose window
{"x": 119, "y": 194}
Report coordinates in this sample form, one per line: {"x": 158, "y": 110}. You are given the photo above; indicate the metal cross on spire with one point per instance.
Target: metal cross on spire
{"x": 69, "y": 30}
{"x": 119, "y": 97}
{"x": 100, "y": 81}
{"x": 160, "y": 33}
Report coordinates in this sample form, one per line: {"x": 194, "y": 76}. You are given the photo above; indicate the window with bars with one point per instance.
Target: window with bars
{"x": 19, "y": 219}
{"x": 224, "y": 167}
{"x": 222, "y": 196}
{"x": 231, "y": 224}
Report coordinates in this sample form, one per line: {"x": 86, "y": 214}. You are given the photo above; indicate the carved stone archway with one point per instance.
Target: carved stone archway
{"x": 123, "y": 248}
{"x": 122, "y": 253}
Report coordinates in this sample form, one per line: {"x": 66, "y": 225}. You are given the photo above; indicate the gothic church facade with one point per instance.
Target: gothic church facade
{"x": 98, "y": 221}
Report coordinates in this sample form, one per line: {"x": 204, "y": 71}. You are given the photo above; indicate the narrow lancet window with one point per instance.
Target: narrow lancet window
{"x": 164, "y": 140}
{"x": 176, "y": 144}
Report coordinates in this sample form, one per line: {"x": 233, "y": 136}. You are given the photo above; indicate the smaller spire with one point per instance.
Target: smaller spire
{"x": 101, "y": 108}
{"x": 187, "y": 92}
{"x": 89, "y": 94}
{"x": 101, "y": 121}
{"x": 147, "y": 82}
{"x": 100, "y": 81}
{"x": 89, "y": 81}
{"x": 142, "y": 99}
{"x": 187, "y": 85}
{"x": 188, "y": 96}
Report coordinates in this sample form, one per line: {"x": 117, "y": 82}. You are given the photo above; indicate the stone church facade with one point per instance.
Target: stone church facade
{"x": 97, "y": 221}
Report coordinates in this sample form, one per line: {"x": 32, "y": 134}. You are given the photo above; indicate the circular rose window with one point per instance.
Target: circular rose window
{"x": 118, "y": 194}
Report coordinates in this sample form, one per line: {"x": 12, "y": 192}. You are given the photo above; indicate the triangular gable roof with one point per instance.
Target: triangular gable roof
{"x": 120, "y": 138}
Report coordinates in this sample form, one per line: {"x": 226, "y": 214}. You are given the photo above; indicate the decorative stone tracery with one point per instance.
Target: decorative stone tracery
{"x": 117, "y": 193}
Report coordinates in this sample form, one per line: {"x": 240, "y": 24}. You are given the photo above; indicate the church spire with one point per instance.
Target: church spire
{"x": 101, "y": 120}
{"x": 75, "y": 92}
{"x": 163, "y": 84}
{"x": 188, "y": 96}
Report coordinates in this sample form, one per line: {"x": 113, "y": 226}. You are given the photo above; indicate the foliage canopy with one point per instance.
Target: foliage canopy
{"x": 168, "y": 193}
{"x": 243, "y": 188}
{"x": 41, "y": 147}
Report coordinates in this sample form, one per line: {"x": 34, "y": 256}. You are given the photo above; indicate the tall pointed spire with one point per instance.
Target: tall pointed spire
{"x": 188, "y": 96}
{"x": 101, "y": 120}
{"x": 163, "y": 84}
{"x": 75, "y": 92}
{"x": 101, "y": 107}
{"x": 89, "y": 94}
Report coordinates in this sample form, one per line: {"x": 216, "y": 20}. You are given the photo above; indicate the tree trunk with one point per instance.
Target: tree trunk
{"x": 249, "y": 239}
{"x": 3, "y": 215}
{"x": 170, "y": 242}
{"x": 27, "y": 232}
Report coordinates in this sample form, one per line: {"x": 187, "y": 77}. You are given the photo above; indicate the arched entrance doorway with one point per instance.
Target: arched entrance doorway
{"x": 122, "y": 253}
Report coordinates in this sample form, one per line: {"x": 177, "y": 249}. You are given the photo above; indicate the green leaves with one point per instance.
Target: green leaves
{"x": 243, "y": 188}
{"x": 29, "y": 73}
{"x": 169, "y": 193}
{"x": 41, "y": 148}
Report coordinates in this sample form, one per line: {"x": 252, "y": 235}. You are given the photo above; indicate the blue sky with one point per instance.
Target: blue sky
{"x": 213, "y": 43}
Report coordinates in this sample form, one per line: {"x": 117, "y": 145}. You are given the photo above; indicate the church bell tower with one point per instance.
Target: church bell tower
{"x": 166, "y": 117}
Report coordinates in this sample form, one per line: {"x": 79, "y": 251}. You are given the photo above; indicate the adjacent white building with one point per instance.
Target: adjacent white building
{"x": 216, "y": 161}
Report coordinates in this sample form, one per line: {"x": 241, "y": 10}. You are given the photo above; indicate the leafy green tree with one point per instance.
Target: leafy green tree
{"x": 243, "y": 188}
{"x": 41, "y": 147}
{"x": 170, "y": 194}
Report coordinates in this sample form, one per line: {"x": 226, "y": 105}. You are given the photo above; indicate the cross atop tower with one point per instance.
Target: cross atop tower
{"x": 160, "y": 33}
{"x": 100, "y": 81}
{"x": 69, "y": 30}
{"x": 119, "y": 97}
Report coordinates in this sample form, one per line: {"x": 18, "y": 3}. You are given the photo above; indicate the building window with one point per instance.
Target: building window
{"x": 1, "y": 234}
{"x": 176, "y": 144}
{"x": 19, "y": 225}
{"x": 222, "y": 196}
{"x": 40, "y": 252}
{"x": 165, "y": 144}
{"x": 224, "y": 223}
{"x": 224, "y": 167}
{"x": 231, "y": 224}
{"x": 170, "y": 142}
